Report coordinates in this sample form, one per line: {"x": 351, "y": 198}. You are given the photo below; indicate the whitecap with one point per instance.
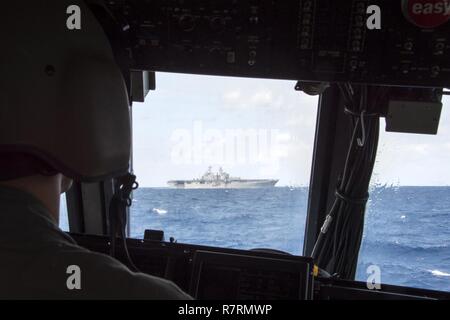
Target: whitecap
{"x": 403, "y": 217}
{"x": 159, "y": 211}
{"x": 438, "y": 273}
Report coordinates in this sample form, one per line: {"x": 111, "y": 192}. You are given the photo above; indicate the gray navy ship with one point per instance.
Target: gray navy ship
{"x": 221, "y": 180}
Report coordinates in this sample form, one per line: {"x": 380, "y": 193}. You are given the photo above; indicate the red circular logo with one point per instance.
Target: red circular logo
{"x": 427, "y": 13}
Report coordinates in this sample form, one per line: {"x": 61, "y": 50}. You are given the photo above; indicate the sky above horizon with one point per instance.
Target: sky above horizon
{"x": 259, "y": 129}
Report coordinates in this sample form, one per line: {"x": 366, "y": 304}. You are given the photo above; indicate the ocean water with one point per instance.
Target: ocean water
{"x": 407, "y": 234}
{"x": 233, "y": 218}
{"x": 407, "y": 229}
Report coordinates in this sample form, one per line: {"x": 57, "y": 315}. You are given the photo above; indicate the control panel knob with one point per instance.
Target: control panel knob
{"x": 186, "y": 23}
{"x": 408, "y": 46}
{"x": 435, "y": 71}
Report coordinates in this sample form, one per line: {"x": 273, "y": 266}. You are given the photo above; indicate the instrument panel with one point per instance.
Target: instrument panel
{"x": 211, "y": 273}
{"x": 217, "y": 273}
{"x": 308, "y": 40}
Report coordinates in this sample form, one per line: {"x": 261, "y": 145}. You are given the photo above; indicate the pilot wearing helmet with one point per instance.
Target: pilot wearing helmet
{"x": 63, "y": 116}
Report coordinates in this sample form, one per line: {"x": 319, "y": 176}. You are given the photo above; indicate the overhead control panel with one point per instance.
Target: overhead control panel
{"x": 388, "y": 42}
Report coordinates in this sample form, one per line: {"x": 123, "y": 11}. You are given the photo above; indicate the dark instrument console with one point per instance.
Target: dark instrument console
{"x": 217, "y": 273}
{"x": 244, "y": 276}
{"x": 211, "y": 273}
{"x": 309, "y": 40}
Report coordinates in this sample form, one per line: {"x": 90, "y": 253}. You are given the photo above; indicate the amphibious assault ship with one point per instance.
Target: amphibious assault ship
{"x": 221, "y": 179}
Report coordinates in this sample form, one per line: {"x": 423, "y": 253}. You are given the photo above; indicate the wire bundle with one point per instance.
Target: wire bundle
{"x": 118, "y": 215}
{"x": 337, "y": 246}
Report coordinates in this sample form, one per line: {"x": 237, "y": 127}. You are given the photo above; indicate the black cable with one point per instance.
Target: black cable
{"x": 118, "y": 216}
{"x": 131, "y": 264}
{"x": 337, "y": 247}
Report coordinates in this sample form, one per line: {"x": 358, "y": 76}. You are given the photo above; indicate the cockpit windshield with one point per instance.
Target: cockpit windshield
{"x": 406, "y": 235}
{"x": 223, "y": 161}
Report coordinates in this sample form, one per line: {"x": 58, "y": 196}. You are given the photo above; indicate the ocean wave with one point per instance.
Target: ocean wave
{"x": 159, "y": 211}
{"x": 385, "y": 246}
{"x": 438, "y": 273}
